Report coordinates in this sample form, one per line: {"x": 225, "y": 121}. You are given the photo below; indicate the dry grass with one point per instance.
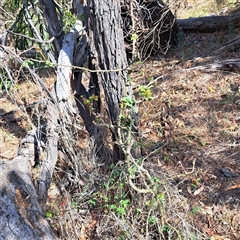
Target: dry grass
{"x": 189, "y": 132}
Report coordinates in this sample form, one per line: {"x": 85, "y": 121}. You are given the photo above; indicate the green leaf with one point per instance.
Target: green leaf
{"x": 195, "y": 210}
{"x": 28, "y": 63}
{"x": 49, "y": 63}
{"x": 92, "y": 201}
{"x": 134, "y": 37}
{"x": 48, "y": 214}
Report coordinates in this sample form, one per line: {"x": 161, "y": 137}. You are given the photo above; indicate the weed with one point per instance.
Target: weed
{"x": 145, "y": 92}
{"x": 120, "y": 207}
{"x": 5, "y": 82}
{"x": 92, "y": 201}
{"x": 68, "y": 20}
{"x": 134, "y": 37}
{"x": 127, "y": 102}
{"x": 152, "y": 219}
{"x": 89, "y": 101}
{"x": 48, "y": 214}
{"x": 28, "y": 63}
{"x": 195, "y": 210}
{"x": 166, "y": 158}
{"x": 75, "y": 205}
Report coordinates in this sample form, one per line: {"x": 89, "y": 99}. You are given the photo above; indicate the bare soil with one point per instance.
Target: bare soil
{"x": 198, "y": 115}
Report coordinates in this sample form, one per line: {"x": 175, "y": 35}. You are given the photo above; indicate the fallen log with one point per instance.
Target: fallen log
{"x": 21, "y": 214}
{"x": 23, "y": 203}
{"x": 227, "y": 65}
{"x": 209, "y": 23}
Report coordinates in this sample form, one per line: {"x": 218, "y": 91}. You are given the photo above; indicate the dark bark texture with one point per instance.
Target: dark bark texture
{"x": 108, "y": 54}
{"x": 210, "y": 23}
{"x": 53, "y": 22}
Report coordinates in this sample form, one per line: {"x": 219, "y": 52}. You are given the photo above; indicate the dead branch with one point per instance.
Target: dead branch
{"x": 21, "y": 215}
{"x": 49, "y": 163}
{"x": 229, "y": 65}
{"x": 230, "y": 45}
{"x": 210, "y": 23}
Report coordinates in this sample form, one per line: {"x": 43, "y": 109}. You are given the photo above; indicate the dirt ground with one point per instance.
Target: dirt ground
{"x": 198, "y": 114}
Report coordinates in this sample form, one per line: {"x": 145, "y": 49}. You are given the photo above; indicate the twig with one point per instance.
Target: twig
{"x": 33, "y": 39}
{"x": 187, "y": 173}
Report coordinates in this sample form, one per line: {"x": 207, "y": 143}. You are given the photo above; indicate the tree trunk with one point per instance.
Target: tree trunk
{"x": 109, "y": 56}
{"x": 210, "y": 23}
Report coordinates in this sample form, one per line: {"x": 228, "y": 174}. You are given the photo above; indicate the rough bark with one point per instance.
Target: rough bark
{"x": 210, "y": 23}
{"x": 64, "y": 85}
{"x": 22, "y": 206}
{"x": 53, "y": 22}
{"x": 228, "y": 65}
{"x": 49, "y": 163}
{"x": 21, "y": 214}
{"x": 81, "y": 57}
{"x": 105, "y": 27}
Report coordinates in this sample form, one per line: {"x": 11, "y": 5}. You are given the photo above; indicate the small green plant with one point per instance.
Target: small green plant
{"x": 195, "y": 210}
{"x": 111, "y": 166}
{"x": 124, "y": 235}
{"x": 153, "y": 203}
{"x": 127, "y": 102}
{"x": 48, "y": 214}
{"x": 166, "y": 158}
{"x": 5, "y": 82}
{"x": 161, "y": 197}
{"x": 89, "y": 101}
{"x": 28, "y": 63}
{"x": 165, "y": 229}
{"x": 132, "y": 171}
{"x": 193, "y": 185}
{"x": 48, "y": 63}
{"x": 134, "y": 37}
{"x": 152, "y": 219}
{"x": 145, "y": 92}
{"x": 121, "y": 207}
{"x": 92, "y": 201}
{"x": 75, "y": 205}
{"x": 68, "y": 20}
